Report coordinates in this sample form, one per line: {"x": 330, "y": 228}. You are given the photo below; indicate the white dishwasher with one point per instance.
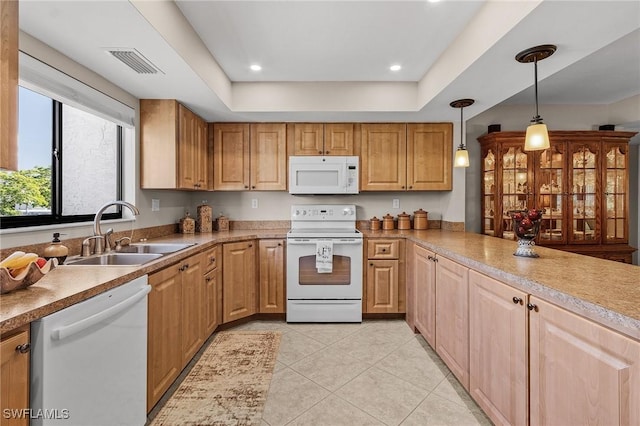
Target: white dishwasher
{"x": 89, "y": 361}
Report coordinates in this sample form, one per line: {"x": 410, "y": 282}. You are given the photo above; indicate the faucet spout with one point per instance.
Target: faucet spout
{"x": 96, "y": 220}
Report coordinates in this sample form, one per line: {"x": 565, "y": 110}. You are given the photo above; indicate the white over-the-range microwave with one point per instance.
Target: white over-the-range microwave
{"x": 323, "y": 175}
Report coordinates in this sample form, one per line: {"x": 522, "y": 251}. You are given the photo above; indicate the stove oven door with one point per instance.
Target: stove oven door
{"x": 305, "y": 282}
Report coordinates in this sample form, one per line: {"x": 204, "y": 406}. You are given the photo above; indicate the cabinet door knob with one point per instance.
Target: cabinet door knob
{"x": 517, "y": 300}
{"x": 246, "y": 187}
{"x": 410, "y": 187}
{"x": 402, "y": 187}
{"x": 212, "y": 259}
{"x": 208, "y": 279}
{"x": 23, "y": 348}
{"x": 319, "y": 152}
{"x": 250, "y": 245}
{"x": 279, "y": 244}
{"x": 253, "y": 187}
{"x": 384, "y": 249}
{"x": 532, "y": 307}
{"x": 326, "y": 152}
{"x": 370, "y": 264}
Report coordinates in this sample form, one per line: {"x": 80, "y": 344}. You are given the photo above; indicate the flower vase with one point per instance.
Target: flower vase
{"x": 526, "y": 224}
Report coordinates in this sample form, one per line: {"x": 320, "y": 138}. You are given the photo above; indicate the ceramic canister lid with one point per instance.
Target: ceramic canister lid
{"x": 420, "y": 213}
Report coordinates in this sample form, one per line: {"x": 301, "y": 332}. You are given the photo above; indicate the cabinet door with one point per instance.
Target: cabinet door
{"x": 308, "y": 139}
{"x": 230, "y": 156}
{"x": 551, "y": 190}
{"x": 268, "y": 157}
{"x": 498, "y": 349}
{"x": 14, "y": 377}
{"x": 382, "y": 286}
{"x": 192, "y": 300}
{"x": 338, "y": 139}
{"x": 429, "y": 156}
{"x": 212, "y": 299}
{"x": 164, "y": 351}
{"x": 452, "y": 317}
{"x": 490, "y": 208}
{"x": 424, "y": 276}
{"x": 383, "y": 157}
{"x": 272, "y": 282}
{"x": 201, "y": 155}
{"x": 238, "y": 283}
{"x": 9, "y": 84}
{"x": 581, "y": 373}
{"x": 584, "y": 187}
{"x": 615, "y": 177}
{"x": 159, "y": 136}
{"x": 516, "y": 180}
{"x": 187, "y": 147}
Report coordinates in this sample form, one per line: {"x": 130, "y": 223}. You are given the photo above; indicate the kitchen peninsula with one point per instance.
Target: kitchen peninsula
{"x": 587, "y": 293}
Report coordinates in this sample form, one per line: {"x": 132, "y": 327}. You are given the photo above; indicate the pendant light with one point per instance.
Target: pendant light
{"x": 462, "y": 155}
{"x": 537, "y": 137}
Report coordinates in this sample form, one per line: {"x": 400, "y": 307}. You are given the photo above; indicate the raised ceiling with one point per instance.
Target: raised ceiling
{"x": 329, "y": 60}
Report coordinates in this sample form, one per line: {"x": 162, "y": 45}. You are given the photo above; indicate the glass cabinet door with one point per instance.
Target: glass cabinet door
{"x": 515, "y": 190}
{"x": 489, "y": 224}
{"x": 551, "y": 195}
{"x": 615, "y": 194}
{"x": 584, "y": 228}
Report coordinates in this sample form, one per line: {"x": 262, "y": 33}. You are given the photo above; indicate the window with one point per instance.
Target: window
{"x": 69, "y": 164}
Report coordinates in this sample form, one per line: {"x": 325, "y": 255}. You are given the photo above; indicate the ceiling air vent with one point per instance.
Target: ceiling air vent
{"x": 134, "y": 60}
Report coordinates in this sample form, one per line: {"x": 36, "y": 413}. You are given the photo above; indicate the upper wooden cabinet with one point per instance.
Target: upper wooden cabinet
{"x": 582, "y": 182}
{"x": 249, "y": 156}
{"x": 323, "y": 139}
{"x": 173, "y": 146}
{"x": 406, "y": 157}
{"x": 9, "y": 85}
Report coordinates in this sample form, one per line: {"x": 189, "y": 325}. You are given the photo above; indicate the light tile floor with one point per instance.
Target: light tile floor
{"x": 374, "y": 373}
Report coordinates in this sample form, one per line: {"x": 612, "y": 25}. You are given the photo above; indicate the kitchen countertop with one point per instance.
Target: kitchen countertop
{"x": 602, "y": 290}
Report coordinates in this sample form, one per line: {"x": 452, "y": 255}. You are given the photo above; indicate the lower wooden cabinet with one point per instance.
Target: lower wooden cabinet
{"x": 581, "y": 372}
{"x": 238, "y": 280}
{"x": 14, "y": 376}
{"x": 272, "y": 276}
{"x": 192, "y": 307}
{"x": 424, "y": 276}
{"x": 452, "y": 317}
{"x": 385, "y": 287}
{"x": 175, "y": 307}
{"x": 212, "y": 297}
{"x": 498, "y": 379}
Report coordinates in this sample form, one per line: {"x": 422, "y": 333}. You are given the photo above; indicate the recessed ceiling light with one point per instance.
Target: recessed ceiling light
{"x": 255, "y": 67}
{"x": 433, "y": 1}
{"x": 395, "y": 67}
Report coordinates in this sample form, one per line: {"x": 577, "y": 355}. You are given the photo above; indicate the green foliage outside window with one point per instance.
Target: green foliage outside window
{"x": 31, "y": 187}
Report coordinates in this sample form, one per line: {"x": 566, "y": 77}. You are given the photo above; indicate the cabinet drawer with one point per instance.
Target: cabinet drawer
{"x": 383, "y": 249}
{"x": 210, "y": 259}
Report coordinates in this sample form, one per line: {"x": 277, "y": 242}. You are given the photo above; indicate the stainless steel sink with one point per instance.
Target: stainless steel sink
{"x": 162, "y": 248}
{"x": 116, "y": 259}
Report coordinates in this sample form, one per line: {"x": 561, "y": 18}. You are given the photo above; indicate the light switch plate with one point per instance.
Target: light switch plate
{"x": 396, "y": 203}
{"x": 254, "y": 203}
{"x": 155, "y": 205}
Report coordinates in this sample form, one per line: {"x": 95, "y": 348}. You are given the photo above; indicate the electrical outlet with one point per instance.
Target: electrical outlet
{"x": 254, "y": 203}
{"x": 396, "y": 203}
{"x": 155, "y": 205}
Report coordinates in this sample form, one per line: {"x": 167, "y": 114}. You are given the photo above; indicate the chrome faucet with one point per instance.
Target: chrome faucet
{"x": 102, "y": 243}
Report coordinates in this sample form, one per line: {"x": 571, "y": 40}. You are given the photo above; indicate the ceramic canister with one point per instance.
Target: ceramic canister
{"x": 187, "y": 224}
{"x": 388, "y": 222}
{"x": 204, "y": 218}
{"x": 374, "y": 223}
{"x": 420, "y": 219}
{"x": 404, "y": 221}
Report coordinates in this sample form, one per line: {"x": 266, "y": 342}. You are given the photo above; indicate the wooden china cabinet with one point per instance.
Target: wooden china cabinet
{"x": 582, "y": 182}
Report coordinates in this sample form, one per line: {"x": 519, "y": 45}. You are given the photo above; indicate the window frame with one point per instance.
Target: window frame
{"x": 57, "y": 157}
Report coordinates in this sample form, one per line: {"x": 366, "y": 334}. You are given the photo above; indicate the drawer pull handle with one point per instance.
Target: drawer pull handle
{"x": 517, "y": 300}
{"x": 384, "y": 249}
{"x": 532, "y": 307}
{"x": 23, "y": 348}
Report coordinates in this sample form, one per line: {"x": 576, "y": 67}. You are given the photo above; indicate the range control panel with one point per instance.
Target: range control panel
{"x": 323, "y": 212}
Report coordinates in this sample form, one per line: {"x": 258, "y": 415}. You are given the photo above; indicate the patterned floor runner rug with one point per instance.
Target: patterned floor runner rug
{"x": 229, "y": 383}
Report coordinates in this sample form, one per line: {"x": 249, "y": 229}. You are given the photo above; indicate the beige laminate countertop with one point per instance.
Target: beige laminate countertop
{"x": 605, "y": 291}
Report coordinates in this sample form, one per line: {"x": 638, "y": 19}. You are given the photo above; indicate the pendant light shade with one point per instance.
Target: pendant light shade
{"x": 537, "y": 136}
{"x": 462, "y": 155}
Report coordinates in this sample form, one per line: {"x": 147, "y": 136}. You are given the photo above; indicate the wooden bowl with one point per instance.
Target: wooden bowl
{"x": 28, "y": 277}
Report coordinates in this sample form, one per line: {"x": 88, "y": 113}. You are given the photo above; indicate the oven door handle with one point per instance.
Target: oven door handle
{"x": 307, "y": 242}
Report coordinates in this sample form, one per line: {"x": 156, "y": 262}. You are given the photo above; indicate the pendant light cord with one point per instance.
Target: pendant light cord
{"x": 536, "y": 119}
{"x": 461, "y": 129}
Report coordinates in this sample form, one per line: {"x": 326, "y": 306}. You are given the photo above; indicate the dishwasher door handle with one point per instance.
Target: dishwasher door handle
{"x": 71, "y": 329}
